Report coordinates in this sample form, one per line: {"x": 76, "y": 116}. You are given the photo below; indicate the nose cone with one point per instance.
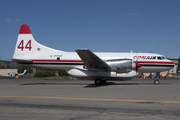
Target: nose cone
{"x": 170, "y": 64}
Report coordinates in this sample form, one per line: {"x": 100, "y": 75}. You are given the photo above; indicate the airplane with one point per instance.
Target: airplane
{"x": 14, "y": 74}
{"x": 85, "y": 64}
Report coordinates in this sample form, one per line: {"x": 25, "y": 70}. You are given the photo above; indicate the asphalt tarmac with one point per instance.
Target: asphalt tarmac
{"x": 35, "y": 99}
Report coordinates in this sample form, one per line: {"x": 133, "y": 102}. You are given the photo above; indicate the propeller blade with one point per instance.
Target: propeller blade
{"x": 137, "y": 66}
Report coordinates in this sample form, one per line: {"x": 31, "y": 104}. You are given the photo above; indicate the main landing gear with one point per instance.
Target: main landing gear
{"x": 99, "y": 81}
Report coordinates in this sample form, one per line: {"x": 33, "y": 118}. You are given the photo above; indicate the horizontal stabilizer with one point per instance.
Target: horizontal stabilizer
{"x": 22, "y": 60}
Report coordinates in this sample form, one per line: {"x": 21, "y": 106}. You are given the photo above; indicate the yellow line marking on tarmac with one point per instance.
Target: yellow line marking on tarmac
{"x": 95, "y": 99}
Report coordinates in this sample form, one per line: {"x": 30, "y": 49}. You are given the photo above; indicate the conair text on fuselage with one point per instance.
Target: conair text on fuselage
{"x": 144, "y": 57}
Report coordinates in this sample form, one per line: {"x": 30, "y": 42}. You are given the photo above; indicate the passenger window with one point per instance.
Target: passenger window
{"x": 154, "y": 57}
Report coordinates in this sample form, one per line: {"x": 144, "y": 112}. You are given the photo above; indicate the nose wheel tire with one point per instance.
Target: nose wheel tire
{"x": 156, "y": 82}
{"x": 98, "y": 81}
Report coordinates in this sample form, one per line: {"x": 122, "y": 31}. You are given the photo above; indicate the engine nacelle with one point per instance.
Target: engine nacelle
{"x": 121, "y": 65}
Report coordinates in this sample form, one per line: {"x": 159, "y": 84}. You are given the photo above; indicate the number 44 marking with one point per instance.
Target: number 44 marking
{"x": 28, "y": 45}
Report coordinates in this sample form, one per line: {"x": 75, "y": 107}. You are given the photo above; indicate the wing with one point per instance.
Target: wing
{"x": 91, "y": 61}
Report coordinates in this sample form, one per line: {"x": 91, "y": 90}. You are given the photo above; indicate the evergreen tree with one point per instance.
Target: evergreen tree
{"x": 8, "y": 66}
{"x": 3, "y": 67}
{"x": 62, "y": 73}
{"x": 13, "y": 67}
{"x": 21, "y": 69}
{"x": 44, "y": 73}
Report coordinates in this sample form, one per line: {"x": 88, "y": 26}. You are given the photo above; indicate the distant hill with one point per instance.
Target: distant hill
{"x": 8, "y": 64}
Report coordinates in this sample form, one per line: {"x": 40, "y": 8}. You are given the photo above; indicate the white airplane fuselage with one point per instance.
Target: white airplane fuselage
{"x": 120, "y": 66}
{"x": 70, "y": 60}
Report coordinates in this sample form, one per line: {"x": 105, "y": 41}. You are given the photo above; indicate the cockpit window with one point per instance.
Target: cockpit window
{"x": 161, "y": 57}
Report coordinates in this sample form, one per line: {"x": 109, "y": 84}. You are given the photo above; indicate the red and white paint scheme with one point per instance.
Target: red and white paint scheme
{"x": 85, "y": 64}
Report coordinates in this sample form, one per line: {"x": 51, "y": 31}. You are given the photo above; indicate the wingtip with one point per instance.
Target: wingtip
{"x": 24, "y": 29}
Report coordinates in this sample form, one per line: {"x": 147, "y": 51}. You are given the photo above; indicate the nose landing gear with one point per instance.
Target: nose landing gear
{"x": 156, "y": 82}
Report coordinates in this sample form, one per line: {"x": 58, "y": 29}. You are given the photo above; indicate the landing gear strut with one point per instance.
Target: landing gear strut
{"x": 157, "y": 81}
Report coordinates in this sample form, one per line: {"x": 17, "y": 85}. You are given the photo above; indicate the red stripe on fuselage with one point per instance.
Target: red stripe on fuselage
{"x": 153, "y": 62}
{"x": 80, "y": 61}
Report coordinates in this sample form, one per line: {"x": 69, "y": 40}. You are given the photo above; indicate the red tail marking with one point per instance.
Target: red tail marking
{"x": 24, "y": 29}
{"x": 21, "y": 46}
{"x": 28, "y": 45}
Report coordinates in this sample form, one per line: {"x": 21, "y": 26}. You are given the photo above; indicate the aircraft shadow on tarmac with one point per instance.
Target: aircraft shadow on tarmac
{"x": 93, "y": 85}
{"x": 112, "y": 83}
{"x": 53, "y": 84}
{"x": 87, "y": 86}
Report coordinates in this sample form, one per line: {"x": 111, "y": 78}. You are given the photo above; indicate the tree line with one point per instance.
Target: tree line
{"x": 7, "y": 66}
{"x": 39, "y": 73}
{"x": 20, "y": 68}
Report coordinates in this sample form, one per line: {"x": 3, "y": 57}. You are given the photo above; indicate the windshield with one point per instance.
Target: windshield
{"x": 161, "y": 57}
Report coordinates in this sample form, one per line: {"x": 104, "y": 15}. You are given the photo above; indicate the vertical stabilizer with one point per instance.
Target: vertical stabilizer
{"x": 26, "y": 45}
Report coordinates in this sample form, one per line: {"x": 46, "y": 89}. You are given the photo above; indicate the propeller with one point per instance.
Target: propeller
{"x": 137, "y": 66}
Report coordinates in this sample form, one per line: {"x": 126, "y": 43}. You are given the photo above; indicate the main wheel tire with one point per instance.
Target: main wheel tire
{"x": 98, "y": 81}
{"x": 156, "y": 82}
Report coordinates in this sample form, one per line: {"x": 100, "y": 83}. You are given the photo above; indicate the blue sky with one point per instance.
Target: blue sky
{"x": 99, "y": 25}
